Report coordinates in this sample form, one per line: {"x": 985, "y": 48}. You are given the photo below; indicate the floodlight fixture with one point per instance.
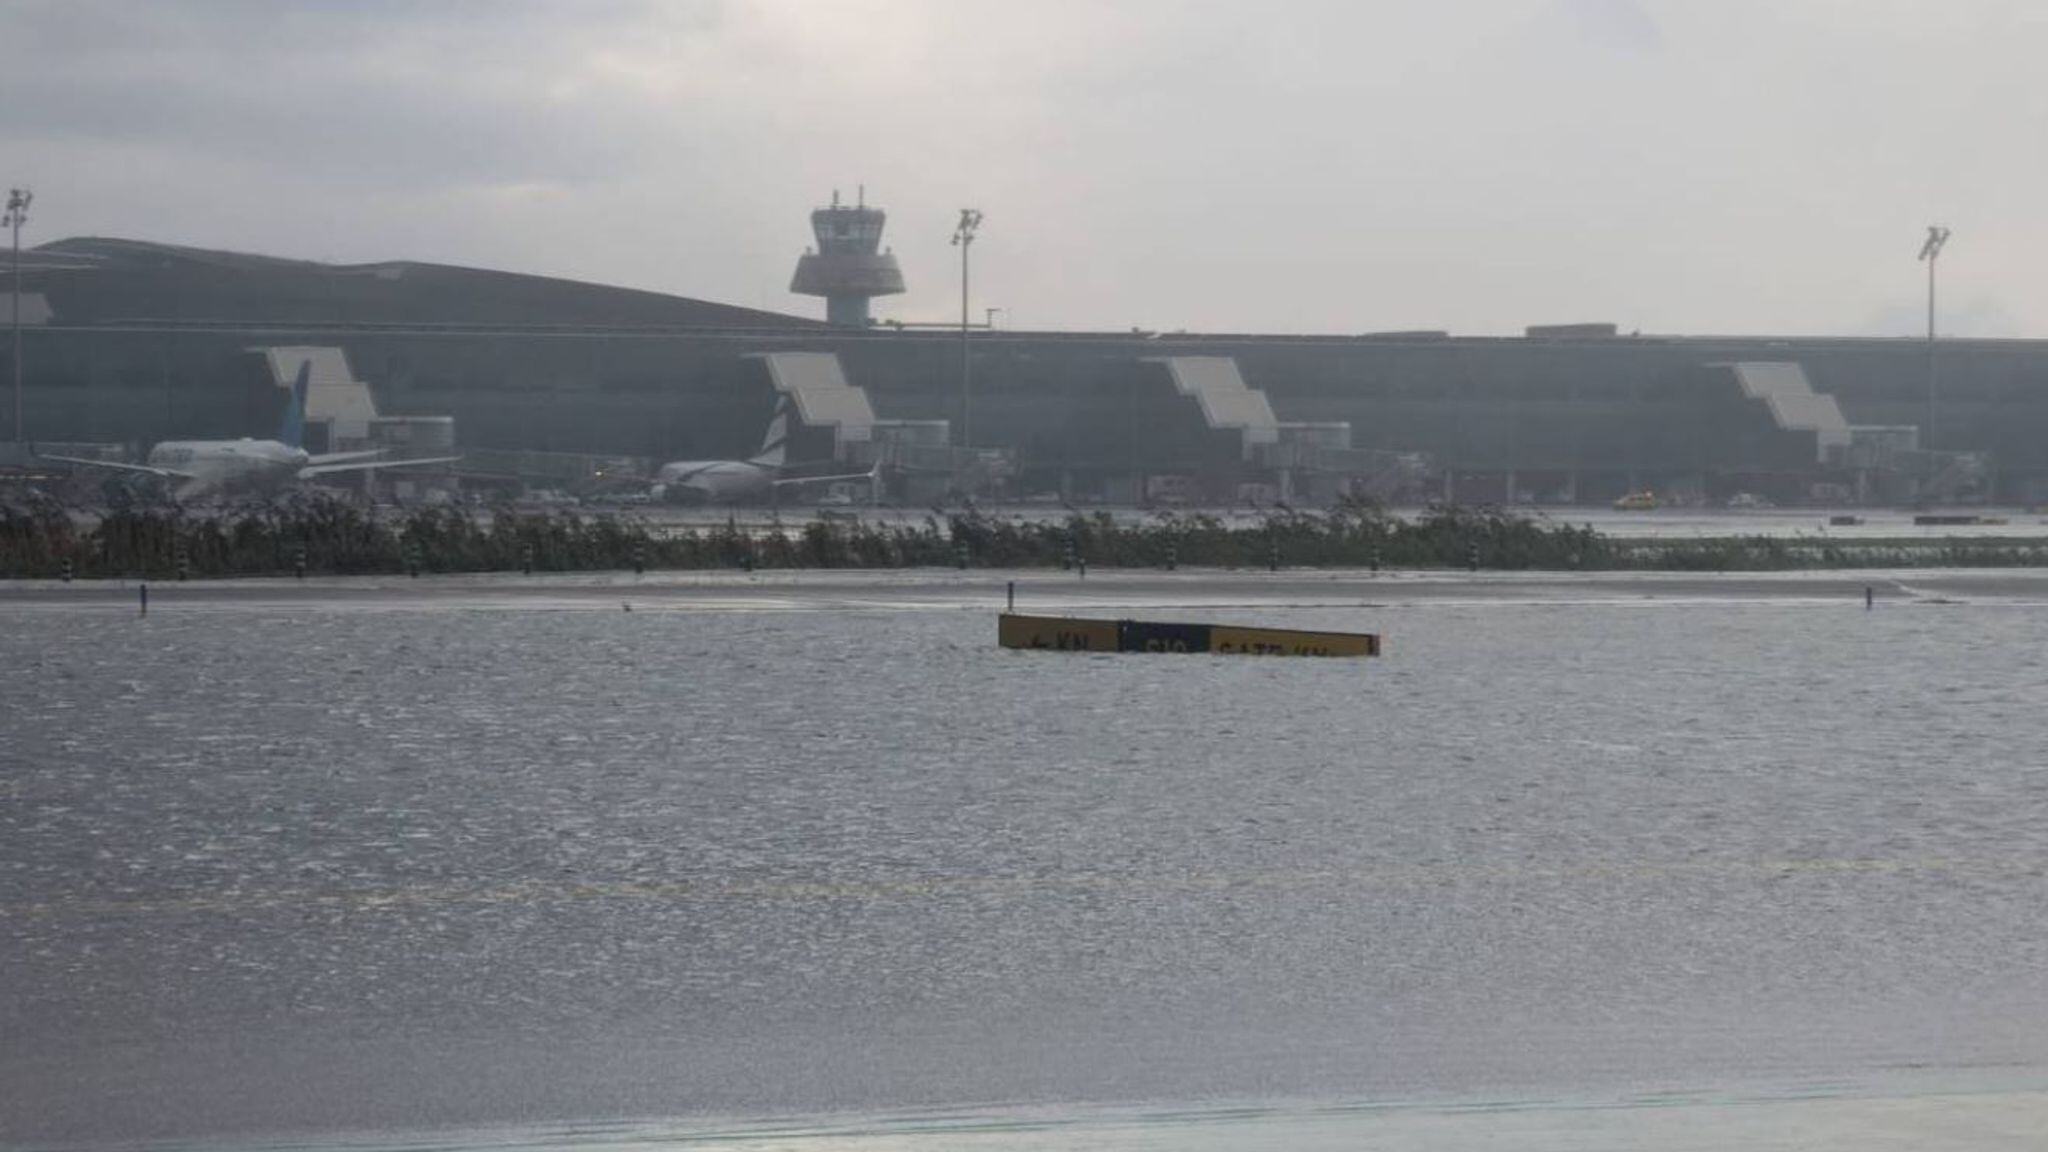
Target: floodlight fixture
{"x": 1936, "y": 237}
{"x": 970, "y": 221}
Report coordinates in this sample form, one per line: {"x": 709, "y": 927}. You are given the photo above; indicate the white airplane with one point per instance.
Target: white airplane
{"x": 200, "y": 467}
{"x": 741, "y": 481}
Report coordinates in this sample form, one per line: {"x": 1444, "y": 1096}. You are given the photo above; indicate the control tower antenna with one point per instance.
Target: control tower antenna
{"x": 848, "y": 267}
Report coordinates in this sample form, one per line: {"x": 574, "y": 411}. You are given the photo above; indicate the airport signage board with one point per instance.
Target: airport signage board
{"x": 1068, "y": 634}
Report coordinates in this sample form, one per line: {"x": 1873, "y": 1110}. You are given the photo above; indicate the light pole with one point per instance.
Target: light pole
{"x": 963, "y": 239}
{"x": 1930, "y": 252}
{"x": 18, "y": 200}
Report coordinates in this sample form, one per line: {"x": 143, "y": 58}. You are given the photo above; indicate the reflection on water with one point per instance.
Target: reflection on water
{"x": 280, "y": 868}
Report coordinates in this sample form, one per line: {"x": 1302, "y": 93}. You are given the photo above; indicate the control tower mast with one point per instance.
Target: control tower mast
{"x": 848, "y": 267}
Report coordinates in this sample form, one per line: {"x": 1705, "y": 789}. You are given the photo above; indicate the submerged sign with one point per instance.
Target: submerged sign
{"x": 1065, "y": 634}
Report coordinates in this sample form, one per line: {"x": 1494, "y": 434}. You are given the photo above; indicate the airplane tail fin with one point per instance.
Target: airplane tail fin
{"x": 774, "y": 451}
{"x": 293, "y": 431}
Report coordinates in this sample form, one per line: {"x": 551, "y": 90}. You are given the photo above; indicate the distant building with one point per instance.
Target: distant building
{"x": 143, "y": 342}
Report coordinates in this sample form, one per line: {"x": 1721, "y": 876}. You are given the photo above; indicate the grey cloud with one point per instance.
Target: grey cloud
{"x": 364, "y": 94}
{"x": 1620, "y": 25}
{"x": 1322, "y": 165}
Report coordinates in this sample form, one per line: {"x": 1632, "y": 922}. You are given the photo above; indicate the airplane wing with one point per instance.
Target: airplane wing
{"x": 145, "y": 469}
{"x": 365, "y": 465}
{"x": 344, "y": 457}
{"x": 871, "y": 474}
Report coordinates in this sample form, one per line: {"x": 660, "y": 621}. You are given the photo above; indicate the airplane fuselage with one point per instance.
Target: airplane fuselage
{"x": 224, "y": 464}
{"x": 716, "y": 480}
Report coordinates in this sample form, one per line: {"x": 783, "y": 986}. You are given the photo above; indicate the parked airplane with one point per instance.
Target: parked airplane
{"x": 201, "y": 467}
{"x": 741, "y": 481}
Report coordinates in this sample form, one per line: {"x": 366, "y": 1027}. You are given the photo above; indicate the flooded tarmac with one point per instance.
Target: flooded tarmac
{"x": 808, "y": 862}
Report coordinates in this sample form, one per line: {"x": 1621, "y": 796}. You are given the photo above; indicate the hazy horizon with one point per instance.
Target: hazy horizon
{"x": 1316, "y": 167}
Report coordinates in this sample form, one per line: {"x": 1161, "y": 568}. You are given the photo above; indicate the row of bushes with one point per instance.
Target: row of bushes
{"x": 337, "y": 537}
{"x": 1773, "y": 553}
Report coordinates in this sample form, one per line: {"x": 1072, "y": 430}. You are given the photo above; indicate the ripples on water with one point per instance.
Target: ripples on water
{"x": 285, "y": 867}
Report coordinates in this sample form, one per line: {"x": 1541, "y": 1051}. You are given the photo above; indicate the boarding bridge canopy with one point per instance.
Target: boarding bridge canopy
{"x": 35, "y": 309}
{"x": 816, "y": 383}
{"x": 333, "y": 394}
{"x": 1227, "y": 402}
{"x": 1793, "y": 404}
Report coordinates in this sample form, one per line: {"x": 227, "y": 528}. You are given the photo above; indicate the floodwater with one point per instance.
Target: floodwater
{"x": 809, "y": 863}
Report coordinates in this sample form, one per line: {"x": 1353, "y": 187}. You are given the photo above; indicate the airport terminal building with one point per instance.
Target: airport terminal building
{"x": 127, "y": 343}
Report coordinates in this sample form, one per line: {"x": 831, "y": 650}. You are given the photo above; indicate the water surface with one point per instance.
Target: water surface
{"x": 290, "y": 865}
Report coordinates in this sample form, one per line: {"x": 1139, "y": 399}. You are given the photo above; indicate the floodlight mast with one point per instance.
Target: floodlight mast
{"x": 963, "y": 239}
{"x": 1930, "y": 254}
{"x": 18, "y": 200}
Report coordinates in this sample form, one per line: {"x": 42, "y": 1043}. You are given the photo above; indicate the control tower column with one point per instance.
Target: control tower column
{"x": 848, "y": 267}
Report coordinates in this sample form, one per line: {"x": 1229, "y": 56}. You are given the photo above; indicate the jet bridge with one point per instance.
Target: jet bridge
{"x": 1794, "y": 405}
{"x": 1228, "y": 404}
{"x": 336, "y": 401}
{"x": 815, "y": 383}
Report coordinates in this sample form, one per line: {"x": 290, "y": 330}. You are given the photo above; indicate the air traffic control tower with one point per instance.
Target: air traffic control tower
{"x": 848, "y": 267}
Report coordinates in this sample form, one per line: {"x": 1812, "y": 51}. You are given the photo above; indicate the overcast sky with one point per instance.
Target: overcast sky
{"x": 1761, "y": 166}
